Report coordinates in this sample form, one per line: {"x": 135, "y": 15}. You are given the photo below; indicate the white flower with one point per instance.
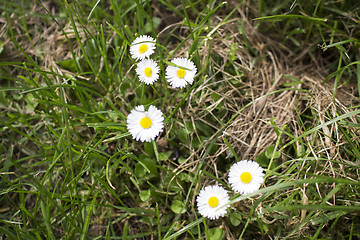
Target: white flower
{"x": 142, "y": 47}
{"x": 212, "y": 202}
{"x": 182, "y": 74}
{"x": 246, "y": 176}
{"x": 148, "y": 71}
{"x": 145, "y": 125}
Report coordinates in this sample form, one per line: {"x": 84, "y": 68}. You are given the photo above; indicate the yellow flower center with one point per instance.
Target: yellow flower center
{"x": 143, "y": 48}
{"x": 180, "y": 73}
{"x": 148, "y": 72}
{"x": 213, "y": 202}
{"x": 246, "y": 177}
{"x": 145, "y": 122}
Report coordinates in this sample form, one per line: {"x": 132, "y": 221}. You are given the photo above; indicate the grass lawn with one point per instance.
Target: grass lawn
{"x": 277, "y": 82}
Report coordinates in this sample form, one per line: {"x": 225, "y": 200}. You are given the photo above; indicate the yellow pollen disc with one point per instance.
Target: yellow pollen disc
{"x": 143, "y": 48}
{"x": 148, "y": 72}
{"x": 213, "y": 202}
{"x": 145, "y": 122}
{"x": 180, "y": 73}
{"x": 246, "y": 177}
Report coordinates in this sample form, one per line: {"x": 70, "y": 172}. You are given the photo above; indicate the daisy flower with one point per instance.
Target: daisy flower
{"x": 212, "y": 202}
{"x": 145, "y": 125}
{"x": 182, "y": 74}
{"x": 142, "y": 47}
{"x": 148, "y": 71}
{"x": 246, "y": 176}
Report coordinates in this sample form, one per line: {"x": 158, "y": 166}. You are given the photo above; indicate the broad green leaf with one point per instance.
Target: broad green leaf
{"x": 146, "y": 169}
{"x": 270, "y": 151}
{"x": 183, "y": 135}
{"x": 31, "y": 103}
{"x": 216, "y": 234}
{"x": 149, "y": 149}
{"x": 235, "y": 219}
{"x": 145, "y": 195}
{"x": 178, "y": 207}
{"x": 262, "y": 160}
{"x": 163, "y": 156}
{"x": 156, "y": 22}
{"x": 69, "y": 64}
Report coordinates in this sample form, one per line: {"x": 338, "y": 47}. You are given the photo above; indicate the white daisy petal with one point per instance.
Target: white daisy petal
{"x": 212, "y": 202}
{"x": 142, "y": 47}
{"x": 182, "y": 74}
{"x": 145, "y": 125}
{"x": 148, "y": 71}
{"x": 246, "y": 176}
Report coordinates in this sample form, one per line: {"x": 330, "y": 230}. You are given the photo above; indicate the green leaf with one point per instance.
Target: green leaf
{"x": 181, "y": 160}
{"x": 262, "y": 160}
{"x": 183, "y": 135}
{"x": 148, "y": 220}
{"x": 140, "y": 171}
{"x": 204, "y": 128}
{"x": 172, "y": 184}
{"x": 113, "y": 116}
{"x": 163, "y": 156}
{"x": 31, "y": 103}
{"x": 232, "y": 52}
{"x": 148, "y": 147}
{"x": 3, "y": 99}
{"x": 270, "y": 151}
{"x": 156, "y": 22}
{"x": 215, "y": 96}
{"x": 125, "y": 86}
{"x": 178, "y": 207}
{"x": 145, "y": 195}
{"x": 300, "y": 150}
{"x": 326, "y": 217}
{"x": 235, "y": 219}
{"x": 216, "y": 233}
{"x": 69, "y": 64}
{"x": 185, "y": 177}
{"x": 146, "y": 169}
